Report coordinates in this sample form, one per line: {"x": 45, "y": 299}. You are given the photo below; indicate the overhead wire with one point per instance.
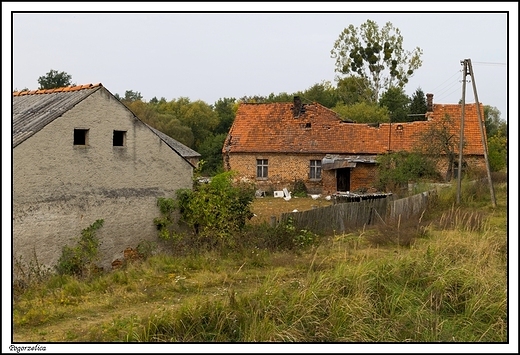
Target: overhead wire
{"x": 447, "y": 87}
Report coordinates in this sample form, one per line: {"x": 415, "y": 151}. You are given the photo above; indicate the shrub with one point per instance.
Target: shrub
{"x": 79, "y": 260}
{"x": 299, "y": 189}
{"x": 214, "y": 210}
{"x": 396, "y": 169}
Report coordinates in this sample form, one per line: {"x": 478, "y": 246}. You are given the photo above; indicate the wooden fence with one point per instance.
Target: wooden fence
{"x": 346, "y": 216}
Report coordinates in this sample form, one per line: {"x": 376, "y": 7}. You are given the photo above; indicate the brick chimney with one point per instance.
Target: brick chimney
{"x": 429, "y": 102}
{"x": 297, "y": 107}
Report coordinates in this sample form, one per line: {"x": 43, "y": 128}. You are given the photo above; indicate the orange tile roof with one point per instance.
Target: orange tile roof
{"x": 272, "y": 128}
{"x": 61, "y": 89}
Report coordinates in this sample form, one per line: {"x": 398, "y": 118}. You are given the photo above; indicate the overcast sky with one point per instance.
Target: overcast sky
{"x": 210, "y": 55}
{"x": 207, "y": 56}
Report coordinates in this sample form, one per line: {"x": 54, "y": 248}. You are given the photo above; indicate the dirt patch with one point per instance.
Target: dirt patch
{"x": 266, "y": 207}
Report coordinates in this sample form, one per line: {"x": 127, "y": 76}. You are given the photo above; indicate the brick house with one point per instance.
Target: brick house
{"x": 80, "y": 155}
{"x": 275, "y": 144}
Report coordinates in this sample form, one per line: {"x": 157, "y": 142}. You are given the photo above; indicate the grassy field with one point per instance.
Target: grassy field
{"x": 448, "y": 285}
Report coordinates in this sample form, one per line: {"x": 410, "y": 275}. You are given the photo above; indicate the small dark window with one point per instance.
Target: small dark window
{"x": 308, "y": 125}
{"x": 119, "y": 138}
{"x": 261, "y": 168}
{"x": 80, "y": 136}
{"x": 315, "y": 170}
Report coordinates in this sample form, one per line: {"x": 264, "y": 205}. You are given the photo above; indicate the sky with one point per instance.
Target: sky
{"x": 208, "y": 51}
{"x": 208, "y": 56}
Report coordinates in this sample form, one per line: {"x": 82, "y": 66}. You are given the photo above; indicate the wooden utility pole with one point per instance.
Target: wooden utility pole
{"x": 461, "y": 139}
{"x": 468, "y": 69}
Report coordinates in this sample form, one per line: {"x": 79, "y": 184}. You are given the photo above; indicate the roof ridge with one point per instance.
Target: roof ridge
{"x": 60, "y": 89}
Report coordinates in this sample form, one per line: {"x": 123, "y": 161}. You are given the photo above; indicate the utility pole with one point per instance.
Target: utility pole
{"x": 468, "y": 69}
{"x": 461, "y": 139}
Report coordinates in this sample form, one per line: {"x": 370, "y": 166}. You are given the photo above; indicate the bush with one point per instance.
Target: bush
{"x": 79, "y": 260}
{"x": 497, "y": 148}
{"x": 299, "y": 189}
{"x": 396, "y": 169}
{"x": 214, "y": 211}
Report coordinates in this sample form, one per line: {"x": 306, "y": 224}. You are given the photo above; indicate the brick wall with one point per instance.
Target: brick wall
{"x": 363, "y": 176}
{"x": 284, "y": 170}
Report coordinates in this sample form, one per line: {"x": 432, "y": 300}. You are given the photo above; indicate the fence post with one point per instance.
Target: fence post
{"x": 272, "y": 222}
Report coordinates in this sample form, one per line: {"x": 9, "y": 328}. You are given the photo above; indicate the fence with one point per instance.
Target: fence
{"x": 345, "y": 216}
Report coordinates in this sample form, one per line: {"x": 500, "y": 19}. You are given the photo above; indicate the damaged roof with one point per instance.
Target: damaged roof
{"x": 33, "y": 110}
{"x": 315, "y": 129}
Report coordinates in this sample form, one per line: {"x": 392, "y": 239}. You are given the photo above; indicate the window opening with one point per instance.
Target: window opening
{"x": 315, "y": 169}
{"x": 261, "y": 168}
{"x": 119, "y": 138}
{"x": 80, "y": 136}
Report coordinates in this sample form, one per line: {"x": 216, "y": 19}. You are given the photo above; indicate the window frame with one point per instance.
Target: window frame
{"x": 262, "y": 169}
{"x": 315, "y": 169}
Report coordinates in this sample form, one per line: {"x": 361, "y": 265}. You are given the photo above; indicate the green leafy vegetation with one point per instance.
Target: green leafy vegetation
{"x": 80, "y": 260}
{"x": 397, "y": 169}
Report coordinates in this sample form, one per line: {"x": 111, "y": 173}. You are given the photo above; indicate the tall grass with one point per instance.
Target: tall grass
{"x": 446, "y": 283}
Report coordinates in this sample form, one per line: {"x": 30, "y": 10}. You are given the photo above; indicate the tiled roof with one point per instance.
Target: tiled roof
{"x": 273, "y": 128}
{"x": 62, "y": 89}
{"x": 33, "y": 110}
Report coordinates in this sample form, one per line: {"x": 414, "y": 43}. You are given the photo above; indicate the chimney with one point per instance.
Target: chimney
{"x": 429, "y": 102}
{"x": 297, "y": 107}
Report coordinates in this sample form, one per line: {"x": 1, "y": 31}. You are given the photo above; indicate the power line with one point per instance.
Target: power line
{"x": 451, "y": 77}
{"x": 490, "y": 63}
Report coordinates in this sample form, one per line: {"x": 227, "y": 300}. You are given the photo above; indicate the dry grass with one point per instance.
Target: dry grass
{"x": 266, "y": 207}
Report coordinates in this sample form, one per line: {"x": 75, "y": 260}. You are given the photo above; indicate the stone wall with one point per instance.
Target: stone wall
{"x": 60, "y": 188}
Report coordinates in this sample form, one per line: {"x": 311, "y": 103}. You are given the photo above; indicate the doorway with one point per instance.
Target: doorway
{"x": 343, "y": 179}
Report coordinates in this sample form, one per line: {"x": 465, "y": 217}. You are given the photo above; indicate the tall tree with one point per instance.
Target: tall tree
{"x": 376, "y": 55}
{"x": 54, "y": 79}
{"x": 397, "y": 103}
{"x": 418, "y": 105}
{"x": 225, "y": 109}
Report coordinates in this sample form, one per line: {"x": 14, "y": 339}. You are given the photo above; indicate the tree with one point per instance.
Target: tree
{"x": 54, "y": 79}
{"x": 397, "y": 103}
{"x": 353, "y": 89}
{"x": 418, "y": 106}
{"x": 497, "y": 152}
{"x": 323, "y": 93}
{"x": 226, "y": 110}
{"x": 211, "y": 151}
{"x": 376, "y": 55}
{"x": 439, "y": 141}
{"x": 494, "y": 124}
{"x": 362, "y": 112}
{"x": 131, "y": 96}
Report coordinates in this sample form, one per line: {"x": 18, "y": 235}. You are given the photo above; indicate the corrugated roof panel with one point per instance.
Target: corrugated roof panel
{"x": 180, "y": 148}
{"x": 32, "y": 112}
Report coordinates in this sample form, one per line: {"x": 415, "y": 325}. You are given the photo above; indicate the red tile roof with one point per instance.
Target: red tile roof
{"x": 61, "y": 89}
{"x": 272, "y": 128}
